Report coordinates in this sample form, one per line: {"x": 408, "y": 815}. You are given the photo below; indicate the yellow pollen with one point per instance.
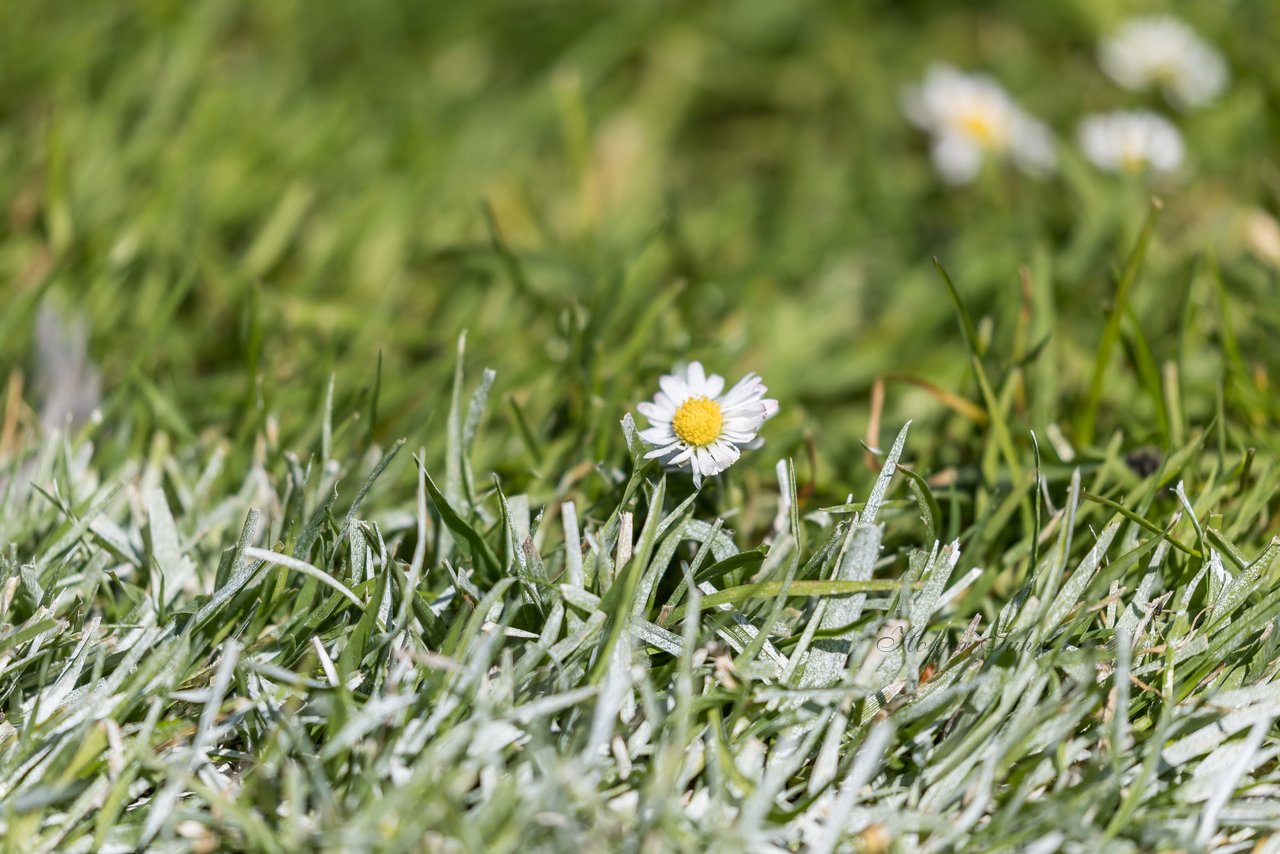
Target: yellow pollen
{"x": 1165, "y": 73}
{"x": 698, "y": 421}
{"x": 980, "y": 127}
{"x": 1132, "y": 161}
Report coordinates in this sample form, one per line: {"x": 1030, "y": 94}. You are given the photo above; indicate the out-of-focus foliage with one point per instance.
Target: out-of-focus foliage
{"x": 244, "y": 197}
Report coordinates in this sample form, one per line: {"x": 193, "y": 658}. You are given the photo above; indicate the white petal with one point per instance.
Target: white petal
{"x": 746, "y": 416}
{"x": 658, "y": 435}
{"x": 770, "y": 407}
{"x": 742, "y": 390}
{"x": 656, "y": 411}
{"x": 704, "y": 462}
{"x": 676, "y": 389}
{"x": 957, "y": 158}
{"x": 714, "y": 385}
{"x": 745, "y": 419}
{"x": 913, "y": 105}
{"x": 658, "y": 453}
{"x": 696, "y": 378}
{"x": 724, "y": 453}
{"x": 750, "y": 408}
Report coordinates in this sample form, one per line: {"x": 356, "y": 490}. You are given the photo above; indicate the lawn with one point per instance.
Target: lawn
{"x": 340, "y": 509}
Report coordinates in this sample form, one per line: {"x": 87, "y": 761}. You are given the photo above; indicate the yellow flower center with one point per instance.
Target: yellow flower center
{"x": 698, "y": 421}
{"x": 1132, "y": 161}
{"x": 981, "y": 127}
{"x": 1165, "y": 73}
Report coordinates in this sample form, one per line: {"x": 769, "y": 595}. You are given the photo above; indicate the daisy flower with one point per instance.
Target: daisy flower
{"x": 970, "y": 118}
{"x": 1163, "y": 53}
{"x": 695, "y": 426}
{"x": 1131, "y": 141}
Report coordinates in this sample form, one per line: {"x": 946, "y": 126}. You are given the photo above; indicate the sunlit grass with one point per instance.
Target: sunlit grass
{"x": 284, "y": 566}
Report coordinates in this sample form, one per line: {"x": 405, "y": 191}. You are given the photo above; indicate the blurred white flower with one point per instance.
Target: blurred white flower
{"x": 1131, "y": 141}
{"x": 1163, "y": 53}
{"x": 695, "y": 426}
{"x": 1262, "y": 236}
{"x": 971, "y": 117}
{"x": 67, "y": 378}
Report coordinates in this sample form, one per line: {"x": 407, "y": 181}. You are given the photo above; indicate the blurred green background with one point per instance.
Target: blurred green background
{"x": 244, "y": 198}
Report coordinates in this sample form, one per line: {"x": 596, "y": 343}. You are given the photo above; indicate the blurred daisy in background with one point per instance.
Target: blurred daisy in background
{"x": 1163, "y": 53}
{"x": 695, "y": 426}
{"x": 1131, "y": 141}
{"x": 970, "y": 118}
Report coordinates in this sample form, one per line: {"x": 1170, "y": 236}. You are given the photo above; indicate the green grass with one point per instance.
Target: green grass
{"x": 314, "y": 578}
